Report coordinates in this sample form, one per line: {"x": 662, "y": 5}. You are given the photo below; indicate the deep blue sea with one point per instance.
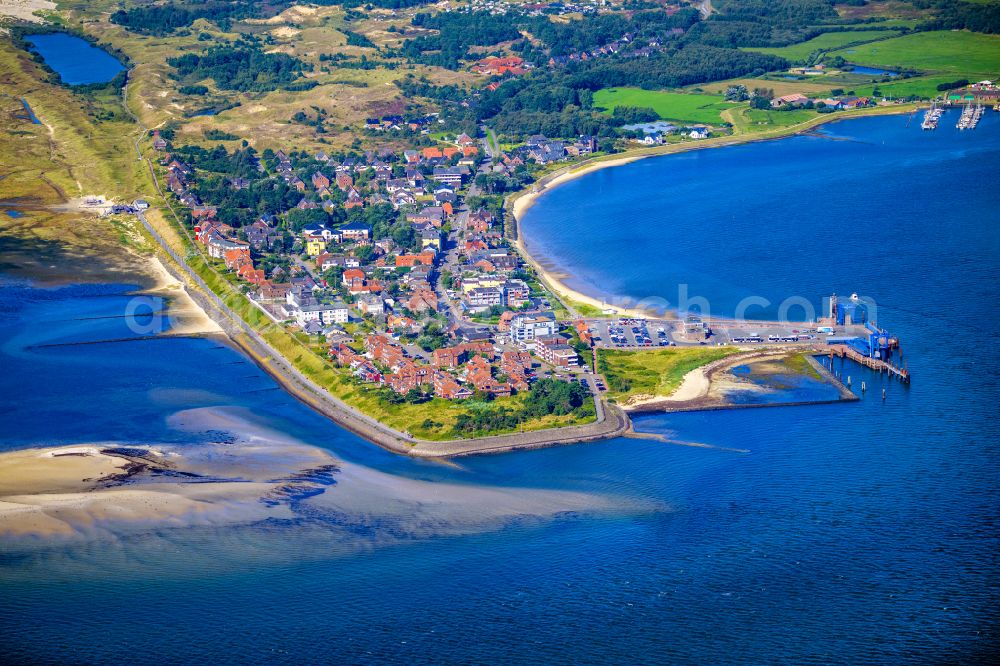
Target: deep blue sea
{"x": 862, "y": 532}
{"x": 75, "y": 60}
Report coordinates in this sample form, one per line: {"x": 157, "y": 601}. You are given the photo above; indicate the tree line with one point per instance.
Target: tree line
{"x": 546, "y": 397}
{"x": 243, "y": 66}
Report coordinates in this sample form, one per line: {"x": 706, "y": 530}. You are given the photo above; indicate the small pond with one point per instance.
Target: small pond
{"x": 75, "y": 60}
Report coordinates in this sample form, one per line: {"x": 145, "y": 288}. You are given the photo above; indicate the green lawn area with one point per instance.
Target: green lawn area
{"x": 656, "y": 372}
{"x": 685, "y": 107}
{"x": 825, "y": 42}
{"x": 966, "y": 53}
{"x": 923, "y": 86}
{"x": 749, "y": 121}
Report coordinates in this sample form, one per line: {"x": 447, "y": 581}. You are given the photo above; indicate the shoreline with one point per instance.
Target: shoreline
{"x": 209, "y": 316}
{"x": 699, "y": 390}
{"x": 253, "y": 473}
{"x": 553, "y": 280}
{"x": 612, "y": 421}
{"x": 553, "y": 276}
{"x": 237, "y": 333}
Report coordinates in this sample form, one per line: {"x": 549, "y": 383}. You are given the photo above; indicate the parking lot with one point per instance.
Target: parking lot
{"x": 631, "y": 333}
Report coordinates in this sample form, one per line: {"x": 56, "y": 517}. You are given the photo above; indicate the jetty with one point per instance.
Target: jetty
{"x": 931, "y": 118}
{"x": 877, "y": 364}
{"x": 971, "y": 115}
{"x": 874, "y": 349}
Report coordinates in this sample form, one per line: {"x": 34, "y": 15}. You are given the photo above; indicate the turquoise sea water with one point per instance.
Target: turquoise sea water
{"x": 75, "y": 60}
{"x": 861, "y": 532}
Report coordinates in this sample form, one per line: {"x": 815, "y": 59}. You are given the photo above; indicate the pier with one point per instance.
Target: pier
{"x": 970, "y": 117}
{"x": 877, "y": 364}
{"x": 931, "y": 118}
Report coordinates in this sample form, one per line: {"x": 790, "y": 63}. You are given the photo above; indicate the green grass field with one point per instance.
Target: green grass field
{"x": 923, "y": 86}
{"x": 653, "y": 373}
{"x": 685, "y": 107}
{"x": 752, "y": 121}
{"x": 825, "y": 42}
{"x": 966, "y": 53}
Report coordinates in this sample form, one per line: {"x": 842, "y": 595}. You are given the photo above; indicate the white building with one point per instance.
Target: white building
{"x": 324, "y": 314}
{"x": 526, "y": 327}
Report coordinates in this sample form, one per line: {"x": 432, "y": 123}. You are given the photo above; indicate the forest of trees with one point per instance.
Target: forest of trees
{"x": 164, "y": 19}
{"x": 244, "y": 67}
{"x": 458, "y": 31}
{"x": 764, "y": 22}
{"x": 953, "y": 15}
{"x": 559, "y": 102}
{"x": 547, "y": 396}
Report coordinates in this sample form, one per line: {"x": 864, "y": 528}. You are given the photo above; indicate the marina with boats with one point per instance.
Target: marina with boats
{"x": 932, "y": 117}
{"x": 969, "y": 118}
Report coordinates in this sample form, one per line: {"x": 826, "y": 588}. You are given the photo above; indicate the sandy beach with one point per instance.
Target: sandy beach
{"x": 705, "y": 384}
{"x": 187, "y": 317}
{"x": 553, "y": 279}
{"x": 697, "y": 384}
{"x": 708, "y": 386}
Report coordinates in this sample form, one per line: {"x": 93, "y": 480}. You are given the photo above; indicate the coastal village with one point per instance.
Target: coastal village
{"x": 417, "y": 293}
{"x": 381, "y": 244}
{"x": 442, "y": 306}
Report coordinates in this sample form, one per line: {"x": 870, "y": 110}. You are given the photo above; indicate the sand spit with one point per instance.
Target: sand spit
{"x": 247, "y": 474}
{"x": 709, "y": 386}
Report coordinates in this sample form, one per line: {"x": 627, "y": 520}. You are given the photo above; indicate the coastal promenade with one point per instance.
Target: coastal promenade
{"x": 611, "y": 421}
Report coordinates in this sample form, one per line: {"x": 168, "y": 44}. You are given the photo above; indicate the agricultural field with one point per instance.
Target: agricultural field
{"x": 825, "y": 42}
{"x": 684, "y": 107}
{"x": 779, "y": 86}
{"x": 963, "y": 53}
{"x": 922, "y": 86}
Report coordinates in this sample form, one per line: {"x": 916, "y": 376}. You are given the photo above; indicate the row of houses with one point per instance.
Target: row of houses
{"x": 454, "y": 373}
{"x": 543, "y": 150}
{"x": 835, "y": 103}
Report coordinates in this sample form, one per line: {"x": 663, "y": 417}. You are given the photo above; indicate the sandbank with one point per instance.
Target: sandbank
{"x": 259, "y": 473}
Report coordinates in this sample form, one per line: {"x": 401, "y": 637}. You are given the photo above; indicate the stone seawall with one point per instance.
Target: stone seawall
{"x": 612, "y": 422}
